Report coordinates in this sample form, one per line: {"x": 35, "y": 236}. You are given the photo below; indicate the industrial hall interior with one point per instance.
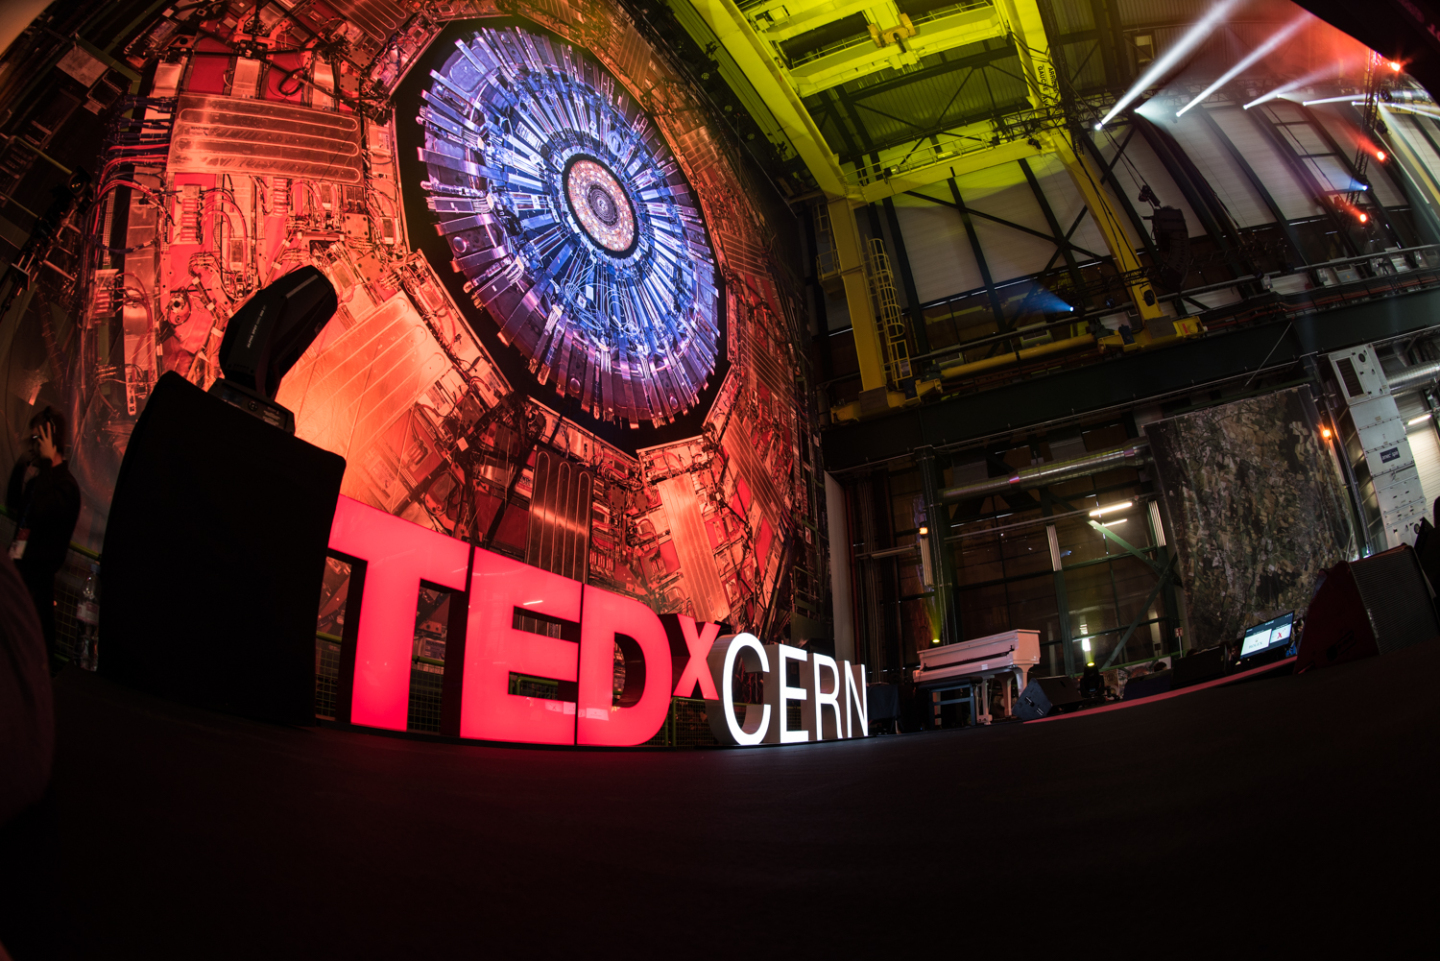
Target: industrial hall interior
{"x": 865, "y": 458}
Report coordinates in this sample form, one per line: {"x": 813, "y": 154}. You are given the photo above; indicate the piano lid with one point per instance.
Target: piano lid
{"x": 1010, "y": 646}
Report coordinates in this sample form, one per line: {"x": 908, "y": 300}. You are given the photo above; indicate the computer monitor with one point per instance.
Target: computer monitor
{"x": 1271, "y": 635}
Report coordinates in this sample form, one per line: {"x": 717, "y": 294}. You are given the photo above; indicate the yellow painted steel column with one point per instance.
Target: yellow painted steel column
{"x": 1088, "y": 180}
{"x": 850, "y": 254}
{"x": 748, "y": 50}
{"x": 1033, "y": 47}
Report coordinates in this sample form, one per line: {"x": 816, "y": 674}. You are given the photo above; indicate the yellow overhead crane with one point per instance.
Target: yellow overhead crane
{"x": 753, "y": 39}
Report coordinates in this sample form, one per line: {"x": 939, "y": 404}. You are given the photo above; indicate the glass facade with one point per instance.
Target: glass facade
{"x": 1090, "y": 591}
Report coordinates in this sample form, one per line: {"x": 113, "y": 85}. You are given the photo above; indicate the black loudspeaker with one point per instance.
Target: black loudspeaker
{"x": 1148, "y": 685}
{"x": 1367, "y": 607}
{"x": 214, "y": 556}
{"x": 1199, "y": 666}
{"x": 1032, "y": 703}
{"x": 1047, "y": 695}
{"x": 1172, "y": 241}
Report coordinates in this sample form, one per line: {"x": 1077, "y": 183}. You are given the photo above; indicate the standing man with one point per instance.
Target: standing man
{"x": 45, "y": 502}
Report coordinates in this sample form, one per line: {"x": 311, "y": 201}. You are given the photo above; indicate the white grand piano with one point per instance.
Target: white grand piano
{"x": 970, "y": 665}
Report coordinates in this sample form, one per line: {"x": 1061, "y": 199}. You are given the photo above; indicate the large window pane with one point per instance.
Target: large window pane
{"x": 978, "y": 559}
{"x": 1025, "y": 551}
{"x": 1133, "y": 583}
{"x": 1032, "y": 606}
{"x": 918, "y": 629}
{"x": 1091, "y": 597}
{"x": 984, "y": 611}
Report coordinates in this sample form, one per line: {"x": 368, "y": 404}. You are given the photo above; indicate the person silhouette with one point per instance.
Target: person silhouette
{"x": 45, "y": 501}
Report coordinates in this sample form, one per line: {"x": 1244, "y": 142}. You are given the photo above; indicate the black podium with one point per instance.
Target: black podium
{"x": 213, "y": 558}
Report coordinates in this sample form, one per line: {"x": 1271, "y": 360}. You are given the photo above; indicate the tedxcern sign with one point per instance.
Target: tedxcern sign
{"x": 393, "y": 556}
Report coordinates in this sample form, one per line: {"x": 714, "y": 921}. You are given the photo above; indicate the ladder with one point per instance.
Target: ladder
{"x": 887, "y": 312}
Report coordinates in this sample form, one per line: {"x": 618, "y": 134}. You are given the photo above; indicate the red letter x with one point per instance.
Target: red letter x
{"x": 693, "y": 646}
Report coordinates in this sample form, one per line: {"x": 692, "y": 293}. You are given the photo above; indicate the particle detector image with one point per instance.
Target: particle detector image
{"x": 572, "y": 223}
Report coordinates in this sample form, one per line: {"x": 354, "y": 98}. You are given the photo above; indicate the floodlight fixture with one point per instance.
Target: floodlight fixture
{"x": 266, "y": 337}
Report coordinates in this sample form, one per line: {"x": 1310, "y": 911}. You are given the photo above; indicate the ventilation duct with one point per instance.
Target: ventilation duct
{"x": 1133, "y": 454}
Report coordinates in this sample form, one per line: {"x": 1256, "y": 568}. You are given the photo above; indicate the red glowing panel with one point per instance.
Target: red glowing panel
{"x": 697, "y": 647}
{"x": 397, "y": 555}
{"x": 610, "y": 619}
{"x": 500, "y": 589}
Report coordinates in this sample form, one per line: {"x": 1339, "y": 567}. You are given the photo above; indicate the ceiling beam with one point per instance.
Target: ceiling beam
{"x": 755, "y": 61}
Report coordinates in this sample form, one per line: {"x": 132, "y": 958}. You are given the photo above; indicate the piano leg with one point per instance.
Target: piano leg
{"x": 1005, "y": 679}
{"x": 982, "y": 710}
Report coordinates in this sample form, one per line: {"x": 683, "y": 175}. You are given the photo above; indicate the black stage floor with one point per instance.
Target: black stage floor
{"x": 1273, "y": 814}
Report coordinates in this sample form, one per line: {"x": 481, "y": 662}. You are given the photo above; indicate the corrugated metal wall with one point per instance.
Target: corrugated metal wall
{"x": 1066, "y": 202}
{"x": 941, "y": 257}
{"x": 1343, "y": 132}
{"x": 1140, "y": 164}
{"x": 941, "y": 260}
{"x": 1010, "y": 253}
{"x": 1215, "y": 162}
{"x": 1269, "y": 164}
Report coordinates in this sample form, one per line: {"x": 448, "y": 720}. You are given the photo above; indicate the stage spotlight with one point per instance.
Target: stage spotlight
{"x": 1326, "y": 433}
{"x": 1265, "y": 49}
{"x": 1380, "y": 156}
{"x": 1364, "y": 218}
{"x": 266, "y": 337}
{"x": 1172, "y": 58}
{"x": 1395, "y": 66}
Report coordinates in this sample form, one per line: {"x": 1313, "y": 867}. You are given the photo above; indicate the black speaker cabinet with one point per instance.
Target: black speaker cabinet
{"x": 1367, "y": 607}
{"x": 1047, "y": 695}
{"x": 1199, "y": 666}
{"x": 213, "y": 558}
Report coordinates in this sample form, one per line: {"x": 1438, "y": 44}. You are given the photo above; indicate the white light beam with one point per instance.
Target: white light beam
{"x": 1264, "y": 50}
{"x": 1351, "y": 97}
{"x": 1433, "y": 113}
{"x": 1305, "y": 81}
{"x": 1171, "y": 58}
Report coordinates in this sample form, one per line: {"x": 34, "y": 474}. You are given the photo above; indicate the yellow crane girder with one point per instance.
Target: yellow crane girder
{"x": 752, "y": 39}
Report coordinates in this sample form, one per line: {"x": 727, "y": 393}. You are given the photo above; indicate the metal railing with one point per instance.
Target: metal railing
{"x": 1385, "y": 279}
